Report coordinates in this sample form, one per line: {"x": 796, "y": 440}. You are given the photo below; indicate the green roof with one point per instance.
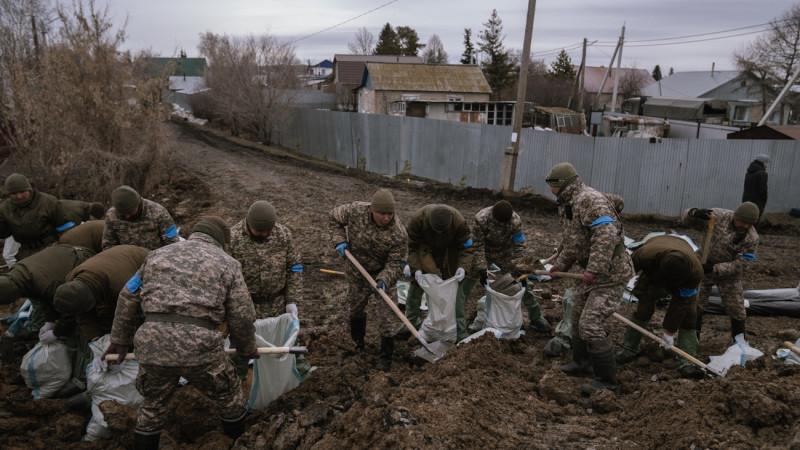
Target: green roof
{"x": 190, "y": 67}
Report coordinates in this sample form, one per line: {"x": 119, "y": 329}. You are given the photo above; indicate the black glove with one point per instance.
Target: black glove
{"x": 484, "y": 276}
{"x": 254, "y": 354}
{"x": 708, "y": 268}
{"x": 115, "y": 349}
{"x": 702, "y": 214}
{"x": 378, "y": 285}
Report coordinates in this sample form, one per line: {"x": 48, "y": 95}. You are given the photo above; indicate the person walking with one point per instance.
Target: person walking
{"x": 756, "y": 183}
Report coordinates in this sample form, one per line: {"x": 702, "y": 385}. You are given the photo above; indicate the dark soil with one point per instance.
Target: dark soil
{"x": 485, "y": 394}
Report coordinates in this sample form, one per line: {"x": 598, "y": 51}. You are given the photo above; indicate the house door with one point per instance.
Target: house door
{"x": 415, "y": 109}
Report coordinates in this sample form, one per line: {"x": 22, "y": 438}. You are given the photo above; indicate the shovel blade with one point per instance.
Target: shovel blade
{"x": 433, "y": 351}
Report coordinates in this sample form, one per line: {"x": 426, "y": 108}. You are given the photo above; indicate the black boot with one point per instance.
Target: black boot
{"x": 605, "y": 373}
{"x": 146, "y": 440}
{"x": 234, "y": 428}
{"x": 699, "y": 323}
{"x": 385, "y": 358}
{"x": 737, "y": 327}
{"x": 358, "y": 329}
{"x": 579, "y": 366}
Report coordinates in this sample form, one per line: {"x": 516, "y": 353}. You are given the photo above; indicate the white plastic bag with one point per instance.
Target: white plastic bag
{"x": 46, "y": 368}
{"x": 504, "y": 312}
{"x": 274, "y": 374}
{"x": 440, "y": 323}
{"x": 737, "y": 354}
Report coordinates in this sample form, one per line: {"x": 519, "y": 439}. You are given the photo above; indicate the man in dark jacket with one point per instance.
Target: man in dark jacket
{"x": 755, "y": 183}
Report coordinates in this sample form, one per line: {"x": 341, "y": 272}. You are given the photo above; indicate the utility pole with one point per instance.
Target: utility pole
{"x": 778, "y": 99}
{"x": 582, "y": 91}
{"x": 596, "y": 102}
{"x": 509, "y": 172}
{"x": 619, "y": 67}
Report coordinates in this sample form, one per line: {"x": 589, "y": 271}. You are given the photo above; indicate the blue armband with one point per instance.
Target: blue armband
{"x": 749, "y": 256}
{"x": 686, "y": 292}
{"x": 519, "y": 237}
{"x": 297, "y": 268}
{"x": 602, "y": 220}
{"x": 134, "y": 283}
{"x": 468, "y": 243}
{"x": 172, "y": 231}
{"x": 65, "y": 227}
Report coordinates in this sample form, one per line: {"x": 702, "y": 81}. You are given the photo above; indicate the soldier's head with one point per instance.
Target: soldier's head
{"x": 673, "y": 267}
{"x": 126, "y": 201}
{"x": 96, "y": 211}
{"x": 261, "y": 218}
{"x": 18, "y": 187}
{"x": 560, "y": 177}
{"x": 74, "y": 297}
{"x": 216, "y": 228}
{"x": 9, "y": 292}
{"x": 382, "y": 207}
{"x": 745, "y": 216}
{"x": 502, "y": 211}
{"x": 440, "y": 218}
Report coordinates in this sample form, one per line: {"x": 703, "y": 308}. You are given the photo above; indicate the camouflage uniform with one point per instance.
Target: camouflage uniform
{"x": 380, "y": 250}
{"x": 185, "y": 291}
{"x": 730, "y": 253}
{"x": 449, "y": 250}
{"x": 35, "y": 223}
{"x": 271, "y": 268}
{"x": 88, "y": 234}
{"x": 152, "y": 228}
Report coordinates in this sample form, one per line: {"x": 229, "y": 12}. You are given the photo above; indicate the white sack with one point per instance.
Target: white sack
{"x": 440, "y": 323}
{"x": 46, "y": 368}
{"x": 274, "y": 374}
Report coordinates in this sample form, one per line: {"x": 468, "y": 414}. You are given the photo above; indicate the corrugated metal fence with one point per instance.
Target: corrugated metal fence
{"x": 660, "y": 178}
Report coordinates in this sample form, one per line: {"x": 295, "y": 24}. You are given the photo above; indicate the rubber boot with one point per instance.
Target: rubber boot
{"x": 80, "y": 402}
{"x": 580, "y": 365}
{"x": 385, "y": 357}
{"x": 605, "y": 373}
{"x": 687, "y": 341}
{"x": 234, "y": 428}
{"x": 538, "y": 322}
{"x": 358, "y": 329}
{"x": 737, "y": 327}
{"x": 630, "y": 345}
{"x": 146, "y": 440}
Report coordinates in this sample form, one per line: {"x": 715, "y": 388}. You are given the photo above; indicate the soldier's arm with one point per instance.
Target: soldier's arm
{"x": 167, "y": 228}
{"x": 294, "y": 271}
{"x": 398, "y": 253}
{"x": 746, "y": 255}
{"x": 337, "y": 223}
{"x": 240, "y": 315}
{"x": 128, "y": 312}
{"x": 466, "y": 254}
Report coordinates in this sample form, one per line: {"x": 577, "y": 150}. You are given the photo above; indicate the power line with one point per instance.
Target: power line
{"x": 627, "y": 45}
{"x": 693, "y": 35}
{"x": 342, "y": 23}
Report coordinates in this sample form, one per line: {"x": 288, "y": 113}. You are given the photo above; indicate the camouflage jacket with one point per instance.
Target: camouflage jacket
{"x": 497, "y": 243}
{"x": 271, "y": 267}
{"x": 380, "y": 250}
{"x": 196, "y": 279}
{"x": 593, "y": 233}
{"x": 731, "y": 250}
{"x": 40, "y": 217}
{"x": 88, "y": 234}
{"x": 153, "y": 228}
{"x": 106, "y": 273}
{"x": 565, "y": 211}
{"x": 450, "y": 249}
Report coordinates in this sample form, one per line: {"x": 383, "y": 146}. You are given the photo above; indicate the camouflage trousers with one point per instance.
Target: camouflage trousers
{"x": 217, "y": 380}
{"x": 359, "y": 296}
{"x": 591, "y": 310}
{"x": 730, "y": 291}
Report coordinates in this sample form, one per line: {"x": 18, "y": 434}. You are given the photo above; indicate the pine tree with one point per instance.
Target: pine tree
{"x": 469, "y": 50}
{"x": 409, "y": 41}
{"x": 671, "y": 71}
{"x": 388, "y": 41}
{"x": 657, "y": 73}
{"x": 562, "y": 67}
{"x": 498, "y": 67}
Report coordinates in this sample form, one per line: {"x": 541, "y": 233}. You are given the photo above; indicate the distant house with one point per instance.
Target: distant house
{"x": 446, "y": 92}
{"x": 348, "y": 70}
{"x": 186, "y": 77}
{"x": 322, "y": 69}
{"x": 768, "y": 132}
{"x": 629, "y": 82}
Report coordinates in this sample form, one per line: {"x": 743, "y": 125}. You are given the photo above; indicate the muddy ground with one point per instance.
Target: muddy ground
{"x": 485, "y": 394}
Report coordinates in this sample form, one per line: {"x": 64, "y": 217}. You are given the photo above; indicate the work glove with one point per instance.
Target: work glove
{"x": 46, "y": 335}
{"x": 460, "y": 274}
{"x": 407, "y": 271}
{"x": 378, "y": 285}
{"x": 668, "y": 340}
{"x": 115, "y": 349}
{"x": 341, "y": 247}
{"x": 484, "y": 276}
{"x": 708, "y": 268}
{"x": 589, "y": 277}
{"x": 702, "y": 214}
{"x": 552, "y": 271}
{"x": 291, "y": 308}
{"x": 99, "y": 365}
{"x": 254, "y": 354}
{"x": 418, "y": 276}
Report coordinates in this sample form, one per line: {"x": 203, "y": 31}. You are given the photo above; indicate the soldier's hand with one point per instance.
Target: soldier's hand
{"x": 418, "y": 276}
{"x": 379, "y": 284}
{"x": 669, "y": 340}
{"x": 341, "y": 247}
{"x": 406, "y": 270}
{"x": 589, "y": 277}
{"x": 552, "y": 272}
{"x": 460, "y": 274}
{"x": 115, "y": 349}
{"x": 254, "y": 354}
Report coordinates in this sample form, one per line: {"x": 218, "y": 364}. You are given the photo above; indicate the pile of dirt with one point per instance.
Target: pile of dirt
{"x": 485, "y": 393}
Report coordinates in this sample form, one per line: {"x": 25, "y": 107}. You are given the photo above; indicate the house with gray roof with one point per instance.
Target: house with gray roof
{"x": 348, "y": 70}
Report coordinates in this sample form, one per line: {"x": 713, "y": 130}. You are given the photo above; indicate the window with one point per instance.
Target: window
{"x": 397, "y": 108}
{"x": 741, "y": 113}
{"x": 454, "y": 107}
{"x": 455, "y": 99}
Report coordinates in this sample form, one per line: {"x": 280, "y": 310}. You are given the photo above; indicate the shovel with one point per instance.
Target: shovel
{"x": 792, "y": 347}
{"x": 430, "y": 352}
{"x": 232, "y": 351}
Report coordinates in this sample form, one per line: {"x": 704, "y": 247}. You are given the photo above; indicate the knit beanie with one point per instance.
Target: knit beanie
{"x": 440, "y": 217}
{"x": 561, "y": 175}
{"x": 502, "y": 211}
{"x": 8, "y": 290}
{"x": 762, "y": 158}
{"x": 74, "y": 297}
{"x": 125, "y": 199}
{"x": 747, "y": 212}
{"x": 16, "y": 182}
{"x": 261, "y": 216}
{"x": 383, "y": 202}
{"x": 215, "y": 227}
{"x": 97, "y": 210}
{"x": 674, "y": 266}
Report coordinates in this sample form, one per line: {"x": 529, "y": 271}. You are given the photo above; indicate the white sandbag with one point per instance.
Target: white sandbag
{"x": 117, "y": 383}
{"x": 504, "y": 312}
{"x": 737, "y": 354}
{"x": 440, "y": 323}
{"x": 274, "y": 374}
{"x": 46, "y": 368}
{"x": 480, "y": 315}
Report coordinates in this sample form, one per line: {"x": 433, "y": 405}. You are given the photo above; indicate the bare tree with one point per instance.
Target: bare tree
{"x": 434, "y": 51}
{"x": 363, "y": 42}
{"x": 631, "y": 82}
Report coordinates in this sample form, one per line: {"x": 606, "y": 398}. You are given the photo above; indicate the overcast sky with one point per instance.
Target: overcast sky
{"x": 322, "y": 28}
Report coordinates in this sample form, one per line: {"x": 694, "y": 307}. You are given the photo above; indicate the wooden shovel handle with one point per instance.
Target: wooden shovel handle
{"x": 795, "y": 349}
{"x": 332, "y": 272}
{"x": 575, "y": 276}
{"x": 707, "y": 245}
{"x": 231, "y": 351}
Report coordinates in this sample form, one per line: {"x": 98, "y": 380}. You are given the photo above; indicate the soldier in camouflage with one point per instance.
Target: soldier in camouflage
{"x": 185, "y": 291}
{"x": 88, "y": 234}
{"x": 594, "y": 239}
{"x": 498, "y": 239}
{"x": 733, "y": 247}
{"x": 377, "y": 240}
{"x": 79, "y": 211}
{"x": 134, "y": 220}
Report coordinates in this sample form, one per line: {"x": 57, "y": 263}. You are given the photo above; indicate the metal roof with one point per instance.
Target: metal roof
{"x": 768, "y": 132}
{"x": 350, "y": 68}
{"x": 690, "y": 84}
{"x": 425, "y": 78}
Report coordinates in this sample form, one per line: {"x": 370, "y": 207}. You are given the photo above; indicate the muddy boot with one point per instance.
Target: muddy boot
{"x": 72, "y": 387}
{"x": 358, "y": 329}
{"x": 234, "y": 428}
{"x": 81, "y": 402}
{"x": 554, "y": 347}
{"x": 402, "y": 334}
{"x": 687, "y": 341}
{"x": 580, "y": 365}
{"x": 538, "y": 323}
{"x": 605, "y": 373}
{"x": 737, "y": 328}
{"x": 630, "y": 345}
{"x": 385, "y": 358}
{"x": 146, "y": 440}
